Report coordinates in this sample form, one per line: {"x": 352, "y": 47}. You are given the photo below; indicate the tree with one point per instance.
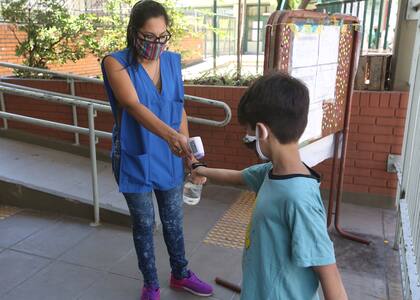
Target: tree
{"x": 52, "y": 34}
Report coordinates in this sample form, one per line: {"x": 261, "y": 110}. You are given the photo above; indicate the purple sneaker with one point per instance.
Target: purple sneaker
{"x": 150, "y": 294}
{"x": 192, "y": 284}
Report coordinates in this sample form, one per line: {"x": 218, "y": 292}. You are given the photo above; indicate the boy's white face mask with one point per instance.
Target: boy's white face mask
{"x": 256, "y": 139}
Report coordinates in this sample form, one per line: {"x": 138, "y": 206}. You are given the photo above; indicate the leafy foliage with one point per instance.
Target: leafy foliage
{"x": 226, "y": 79}
{"x": 52, "y": 34}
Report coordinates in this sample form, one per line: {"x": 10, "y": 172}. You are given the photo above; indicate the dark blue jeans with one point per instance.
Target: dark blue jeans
{"x": 171, "y": 215}
{"x": 142, "y": 214}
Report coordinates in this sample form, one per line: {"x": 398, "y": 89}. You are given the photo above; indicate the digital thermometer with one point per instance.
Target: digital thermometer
{"x": 197, "y": 148}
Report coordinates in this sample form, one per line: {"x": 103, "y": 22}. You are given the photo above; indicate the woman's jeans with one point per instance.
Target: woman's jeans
{"x": 142, "y": 214}
{"x": 171, "y": 215}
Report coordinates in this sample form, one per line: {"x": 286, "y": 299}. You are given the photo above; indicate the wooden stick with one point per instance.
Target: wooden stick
{"x": 228, "y": 285}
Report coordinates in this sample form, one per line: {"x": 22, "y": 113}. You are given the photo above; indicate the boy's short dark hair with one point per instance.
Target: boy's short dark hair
{"x": 279, "y": 101}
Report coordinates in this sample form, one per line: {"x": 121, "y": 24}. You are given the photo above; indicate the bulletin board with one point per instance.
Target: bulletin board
{"x": 321, "y": 50}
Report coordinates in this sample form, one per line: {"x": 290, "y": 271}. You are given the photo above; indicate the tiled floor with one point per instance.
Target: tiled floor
{"x": 47, "y": 256}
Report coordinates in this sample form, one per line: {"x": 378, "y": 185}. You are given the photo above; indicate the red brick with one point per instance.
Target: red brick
{"x": 357, "y": 171}
{"x": 382, "y": 191}
{"x": 404, "y": 100}
{"x": 375, "y": 129}
{"x": 364, "y": 99}
{"x": 374, "y": 99}
{"x": 399, "y": 131}
{"x": 361, "y": 137}
{"x": 354, "y": 110}
{"x": 373, "y": 147}
{"x": 380, "y": 156}
{"x": 351, "y": 146}
{"x": 353, "y": 128}
{"x": 383, "y": 174}
{"x": 395, "y": 100}
{"x": 369, "y": 181}
{"x": 390, "y": 121}
{"x": 396, "y": 149}
{"x": 348, "y": 179}
{"x": 377, "y": 112}
{"x": 356, "y": 188}
{"x": 392, "y": 183}
{"x": 363, "y": 120}
{"x": 370, "y": 164}
{"x": 384, "y": 100}
{"x": 401, "y": 112}
{"x": 355, "y": 101}
{"x": 359, "y": 154}
{"x": 387, "y": 139}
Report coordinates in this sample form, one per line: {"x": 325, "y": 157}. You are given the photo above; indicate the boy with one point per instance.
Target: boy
{"x": 287, "y": 248}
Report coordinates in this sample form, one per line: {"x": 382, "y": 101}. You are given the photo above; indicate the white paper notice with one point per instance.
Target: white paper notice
{"x": 305, "y": 49}
{"x": 329, "y": 41}
{"x": 325, "y": 83}
{"x": 313, "y": 129}
{"x": 319, "y": 151}
{"x": 308, "y": 76}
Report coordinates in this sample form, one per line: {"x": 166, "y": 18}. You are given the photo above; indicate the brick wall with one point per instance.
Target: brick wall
{"x": 376, "y": 130}
{"x": 88, "y": 66}
{"x": 377, "y": 126}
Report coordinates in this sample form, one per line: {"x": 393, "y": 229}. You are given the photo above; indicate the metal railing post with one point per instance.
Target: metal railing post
{"x": 92, "y": 148}
{"x": 379, "y": 32}
{"x": 3, "y": 108}
{"x": 387, "y": 23}
{"x": 372, "y": 20}
{"x": 365, "y": 6}
{"x": 74, "y": 110}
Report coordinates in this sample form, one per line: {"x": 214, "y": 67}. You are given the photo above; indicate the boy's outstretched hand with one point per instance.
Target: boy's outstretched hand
{"x": 195, "y": 177}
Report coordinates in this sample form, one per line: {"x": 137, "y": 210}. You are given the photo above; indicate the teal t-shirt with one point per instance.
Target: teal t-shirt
{"x": 287, "y": 235}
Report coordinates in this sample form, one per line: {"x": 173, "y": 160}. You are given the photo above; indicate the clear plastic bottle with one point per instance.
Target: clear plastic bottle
{"x": 192, "y": 193}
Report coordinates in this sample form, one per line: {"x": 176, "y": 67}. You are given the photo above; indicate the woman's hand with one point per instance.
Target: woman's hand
{"x": 179, "y": 145}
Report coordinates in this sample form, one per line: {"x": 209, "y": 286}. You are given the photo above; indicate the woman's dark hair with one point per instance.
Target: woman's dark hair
{"x": 279, "y": 101}
{"x": 140, "y": 13}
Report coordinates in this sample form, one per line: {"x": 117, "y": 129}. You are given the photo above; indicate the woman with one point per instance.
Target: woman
{"x": 145, "y": 89}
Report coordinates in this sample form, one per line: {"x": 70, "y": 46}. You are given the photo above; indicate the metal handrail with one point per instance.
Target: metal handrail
{"x": 27, "y": 88}
{"x": 216, "y": 103}
{"x": 72, "y": 77}
{"x": 67, "y": 100}
{"x": 54, "y": 125}
{"x": 68, "y": 76}
{"x": 42, "y": 95}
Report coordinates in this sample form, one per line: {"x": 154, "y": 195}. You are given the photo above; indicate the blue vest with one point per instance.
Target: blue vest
{"x": 146, "y": 161}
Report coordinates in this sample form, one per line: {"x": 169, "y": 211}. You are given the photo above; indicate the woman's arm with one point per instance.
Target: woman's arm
{"x": 331, "y": 283}
{"x": 220, "y": 176}
{"x": 183, "y": 129}
{"x": 127, "y": 97}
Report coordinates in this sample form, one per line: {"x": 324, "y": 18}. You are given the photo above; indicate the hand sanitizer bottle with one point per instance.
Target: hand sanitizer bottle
{"x": 192, "y": 192}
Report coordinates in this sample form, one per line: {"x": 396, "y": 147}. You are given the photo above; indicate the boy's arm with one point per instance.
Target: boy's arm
{"x": 331, "y": 283}
{"x": 220, "y": 176}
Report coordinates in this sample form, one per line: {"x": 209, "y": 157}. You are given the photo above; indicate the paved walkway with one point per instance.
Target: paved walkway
{"x": 47, "y": 256}
{"x": 50, "y": 256}
{"x": 58, "y": 173}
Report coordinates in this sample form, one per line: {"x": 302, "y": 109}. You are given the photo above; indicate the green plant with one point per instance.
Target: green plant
{"x": 226, "y": 79}
{"x": 52, "y": 35}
